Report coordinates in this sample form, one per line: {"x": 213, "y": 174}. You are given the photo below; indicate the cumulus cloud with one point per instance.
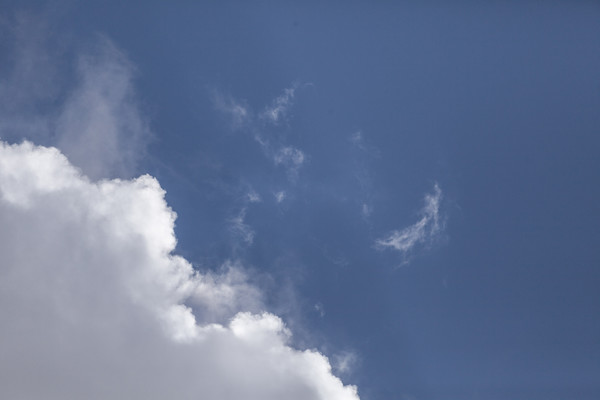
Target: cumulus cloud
{"x": 423, "y": 231}
{"x": 96, "y": 305}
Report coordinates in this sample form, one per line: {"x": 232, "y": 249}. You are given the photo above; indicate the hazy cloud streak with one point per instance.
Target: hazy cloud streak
{"x": 96, "y": 122}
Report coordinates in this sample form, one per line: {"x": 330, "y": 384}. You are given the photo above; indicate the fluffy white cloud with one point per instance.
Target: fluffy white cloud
{"x": 95, "y": 305}
{"x": 424, "y": 230}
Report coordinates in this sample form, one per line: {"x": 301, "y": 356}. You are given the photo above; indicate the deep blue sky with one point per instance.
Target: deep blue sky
{"x": 497, "y": 103}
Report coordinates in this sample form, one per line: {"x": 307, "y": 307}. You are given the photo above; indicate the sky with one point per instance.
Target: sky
{"x": 300, "y": 200}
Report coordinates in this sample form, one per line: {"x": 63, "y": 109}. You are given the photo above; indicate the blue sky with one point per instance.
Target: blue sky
{"x": 412, "y": 188}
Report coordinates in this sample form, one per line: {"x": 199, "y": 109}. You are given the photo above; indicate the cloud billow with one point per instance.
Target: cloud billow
{"x": 95, "y": 304}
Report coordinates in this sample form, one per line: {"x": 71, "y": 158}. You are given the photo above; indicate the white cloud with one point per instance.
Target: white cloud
{"x": 357, "y": 139}
{"x": 240, "y": 229}
{"x": 241, "y": 116}
{"x": 96, "y": 122}
{"x": 279, "y": 196}
{"x": 345, "y": 362}
{"x": 291, "y": 158}
{"x": 422, "y": 231}
{"x": 366, "y": 210}
{"x": 253, "y": 197}
{"x": 320, "y": 309}
{"x": 101, "y": 129}
{"x": 95, "y": 305}
{"x": 280, "y": 106}
{"x": 273, "y": 146}
{"x": 238, "y": 113}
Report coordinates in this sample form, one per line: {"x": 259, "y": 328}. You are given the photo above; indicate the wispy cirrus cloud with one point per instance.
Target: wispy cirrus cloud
{"x": 320, "y": 309}
{"x": 345, "y": 362}
{"x": 273, "y": 144}
{"x": 422, "y": 232}
{"x": 275, "y": 112}
{"x": 279, "y": 196}
{"x": 253, "y": 197}
{"x": 358, "y": 140}
{"x": 240, "y": 229}
{"x": 291, "y": 158}
{"x": 237, "y": 112}
{"x": 366, "y": 210}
